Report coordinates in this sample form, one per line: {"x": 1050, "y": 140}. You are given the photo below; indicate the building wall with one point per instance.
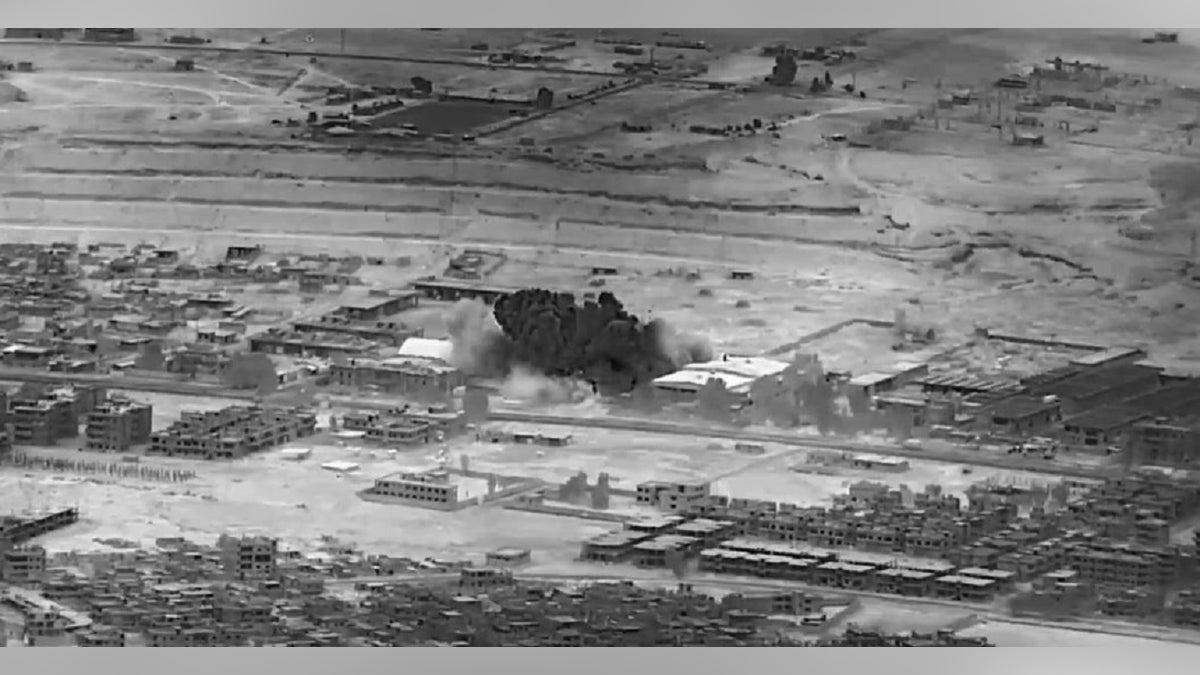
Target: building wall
{"x": 1142, "y": 383}
{"x": 247, "y": 430}
{"x": 1025, "y": 423}
{"x": 416, "y": 490}
{"x": 34, "y": 33}
{"x": 118, "y": 428}
{"x": 412, "y": 382}
{"x": 1165, "y": 444}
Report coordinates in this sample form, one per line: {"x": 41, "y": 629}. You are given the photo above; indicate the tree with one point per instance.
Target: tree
{"x": 422, "y": 86}
{"x": 900, "y": 424}
{"x": 30, "y": 390}
{"x": 644, "y": 399}
{"x": 819, "y": 401}
{"x": 151, "y": 357}
{"x": 714, "y": 400}
{"x": 251, "y": 371}
{"x": 677, "y": 563}
{"x": 784, "y": 72}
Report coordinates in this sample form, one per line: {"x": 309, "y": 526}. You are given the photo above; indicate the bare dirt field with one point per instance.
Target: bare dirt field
{"x": 773, "y": 479}
{"x": 855, "y": 204}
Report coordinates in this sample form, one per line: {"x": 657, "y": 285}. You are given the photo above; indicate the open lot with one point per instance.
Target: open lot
{"x": 446, "y": 117}
{"x": 775, "y": 480}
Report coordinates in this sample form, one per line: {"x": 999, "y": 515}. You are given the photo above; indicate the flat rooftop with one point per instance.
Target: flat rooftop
{"x": 968, "y": 383}
{"x": 960, "y": 580}
{"x": 703, "y": 525}
{"x": 693, "y": 380}
{"x": 1020, "y": 407}
{"x": 615, "y": 538}
{"x": 654, "y": 522}
{"x": 871, "y": 379}
{"x": 1107, "y": 355}
{"x": 666, "y": 542}
{"x": 1088, "y": 383}
{"x": 1106, "y": 418}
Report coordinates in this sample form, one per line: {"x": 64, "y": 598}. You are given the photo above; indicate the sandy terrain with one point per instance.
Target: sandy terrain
{"x": 945, "y": 218}
{"x": 773, "y": 480}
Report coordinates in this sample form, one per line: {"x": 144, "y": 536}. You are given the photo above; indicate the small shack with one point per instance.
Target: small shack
{"x": 185, "y": 65}
{"x": 1028, "y": 140}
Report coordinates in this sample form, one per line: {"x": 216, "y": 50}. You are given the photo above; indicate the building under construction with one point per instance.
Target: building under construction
{"x": 233, "y": 432}
{"x": 16, "y": 530}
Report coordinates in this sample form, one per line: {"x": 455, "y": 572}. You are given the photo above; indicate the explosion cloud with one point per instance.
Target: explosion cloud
{"x": 598, "y": 342}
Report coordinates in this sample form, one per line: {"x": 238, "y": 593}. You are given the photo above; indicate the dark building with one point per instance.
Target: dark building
{"x": 109, "y": 35}
{"x": 376, "y": 307}
{"x": 50, "y": 417}
{"x": 34, "y": 33}
{"x": 1166, "y": 441}
{"x": 1020, "y": 415}
{"x": 449, "y": 289}
{"x": 318, "y": 344}
{"x": 242, "y": 253}
{"x": 1093, "y": 388}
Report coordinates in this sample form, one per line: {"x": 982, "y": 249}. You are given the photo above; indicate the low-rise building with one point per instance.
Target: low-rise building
{"x": 436, "y": 489}
{"x": 376, "y": 307}
{"x": 1020, "y": 415}
{"x": 611, "y": 547}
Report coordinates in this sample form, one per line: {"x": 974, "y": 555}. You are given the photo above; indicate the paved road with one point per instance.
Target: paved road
{"x": 148, "y": 384}
{"x": 974, "y": 458}
{"x": 358, "y": 56}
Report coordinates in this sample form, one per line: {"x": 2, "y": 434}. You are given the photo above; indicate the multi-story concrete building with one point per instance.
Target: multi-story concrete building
{"x": 22, "y": 565}
{"x": 414, "y": 378}
{"x": 408, "y": 425}
{"x": 233, "y": 432}
{"x": 321, "y": 345}
{"x": 390, "y": 333}
{"x": 672, "y": 497}
{"x": 436, "y": 489}
{"x": 53, "y": 415}
{"x": 118, "y": 425}
{"x": 1166, "y": 442}
{"x": 249, "y": 557}
{"x": 15, "y": 531}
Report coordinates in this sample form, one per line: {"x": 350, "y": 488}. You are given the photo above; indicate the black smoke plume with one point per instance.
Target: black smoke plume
{"x": 598, "y": 342}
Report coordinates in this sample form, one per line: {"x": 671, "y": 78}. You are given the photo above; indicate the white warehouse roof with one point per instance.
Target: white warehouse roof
{"x": 427, "y": 348}
{"x": 736, "y": 372}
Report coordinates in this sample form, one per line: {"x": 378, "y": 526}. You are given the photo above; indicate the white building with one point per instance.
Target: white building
{"x": 426, "y": 348}
{"x": 737, "y": 373}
